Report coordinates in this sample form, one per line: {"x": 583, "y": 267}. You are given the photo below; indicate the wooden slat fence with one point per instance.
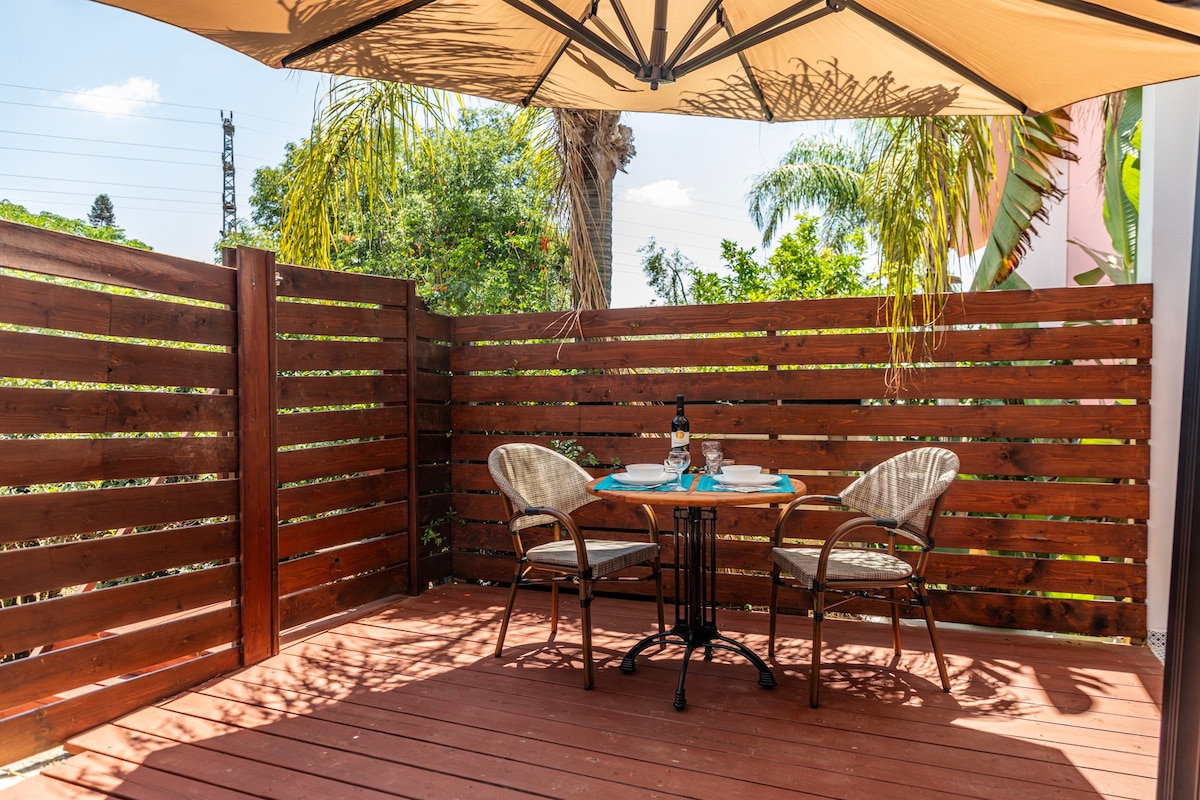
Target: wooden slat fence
{"x": 175, "y": 491}
{"x": 197, "y": 459}
{"x": 1043, "y": 397}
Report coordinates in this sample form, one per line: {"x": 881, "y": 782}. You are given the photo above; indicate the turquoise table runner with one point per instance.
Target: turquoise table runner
{"x": 708, "y": 484}
{"x": 610, "y": 482}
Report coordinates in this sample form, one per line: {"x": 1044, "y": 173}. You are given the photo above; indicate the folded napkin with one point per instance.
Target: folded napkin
{"x": 710, "y": 484}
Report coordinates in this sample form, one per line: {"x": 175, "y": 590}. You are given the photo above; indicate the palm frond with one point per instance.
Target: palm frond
{"x": 1031, "y": 181}
{"x": 347, "y": 169}
{"x": 816, "y": 170}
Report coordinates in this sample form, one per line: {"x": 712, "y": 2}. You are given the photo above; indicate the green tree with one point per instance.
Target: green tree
{"x": 467, "y": 219}
{"x": 346, "y": 178}
{"x": 102, "y": 214}
{"x": 54, "y": 222}
{"x": 801, "y": 267}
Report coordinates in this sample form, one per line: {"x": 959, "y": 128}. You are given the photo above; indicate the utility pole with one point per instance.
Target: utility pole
{"x": 228, "y": 200}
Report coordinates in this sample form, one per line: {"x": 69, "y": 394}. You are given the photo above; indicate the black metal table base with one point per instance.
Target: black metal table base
{"x": 695, "y": 602}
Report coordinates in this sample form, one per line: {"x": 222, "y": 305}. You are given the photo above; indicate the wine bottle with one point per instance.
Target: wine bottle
{"x": 680, "y": 428}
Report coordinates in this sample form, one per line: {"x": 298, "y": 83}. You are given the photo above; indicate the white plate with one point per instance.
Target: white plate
{"x": 629, "y": 480}
{"x": 761, "y": 479}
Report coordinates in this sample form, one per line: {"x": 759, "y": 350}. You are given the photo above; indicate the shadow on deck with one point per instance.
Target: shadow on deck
{"x": 408, "y": 701}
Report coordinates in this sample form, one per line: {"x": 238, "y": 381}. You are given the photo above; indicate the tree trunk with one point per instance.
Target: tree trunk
{"x": 593, "y": 146}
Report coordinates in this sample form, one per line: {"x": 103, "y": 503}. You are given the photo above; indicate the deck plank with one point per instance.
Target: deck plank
{"x": 408, "y": 701}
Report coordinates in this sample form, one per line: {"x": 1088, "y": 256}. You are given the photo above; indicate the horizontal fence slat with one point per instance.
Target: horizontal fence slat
{"x": 321, "y": 498}
{"x": 336, "y": 529}
{"x": 1076, "y": 304}
{"x": 32, "y": 411}
{"x": 1058, "y": 382}
{"x": 39, "y": 250}
{"x": 342, "y": 562}
{"x": 308, "y": 355}
{"x": 314, "y": 319}
{"x": 821, "y": 349}
{"x": 39, "y": 304}
{"x": 311, "y": 463}
{"x": 31, "y": 517}
{"x": 347, "y": 287}
{"x": 29, "y": 570}
{"x": 29, "y": 461}
{"x": 41, "y": 676}
{"x": 46, "y": 622}
{"x": 990, "y": 422}
{"x": 350, "y": 423}
{"x": 849, "y": 457}
{"x": 310, "y": 392}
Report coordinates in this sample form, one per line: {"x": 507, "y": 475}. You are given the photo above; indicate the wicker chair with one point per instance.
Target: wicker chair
{"x": 542, "y": 488}
{"x": 902, "y": 497}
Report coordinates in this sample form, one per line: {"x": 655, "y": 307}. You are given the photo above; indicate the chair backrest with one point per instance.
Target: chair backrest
{"x": 905, "y": 486}
{"x": 532, "y": 476}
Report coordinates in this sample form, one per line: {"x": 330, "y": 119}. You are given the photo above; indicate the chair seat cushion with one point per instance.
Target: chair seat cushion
{"x": 604, "y": 556}
{"x": 845, "y": 563}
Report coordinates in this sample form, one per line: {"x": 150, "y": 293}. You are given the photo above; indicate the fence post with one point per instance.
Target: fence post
{"x": 258, "y": 464}
{"x": 414, "y": 516}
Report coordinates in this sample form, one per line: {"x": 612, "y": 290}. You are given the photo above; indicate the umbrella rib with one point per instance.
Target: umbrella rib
{"x": 938, "y": 56}
{"x": 630, "y": 33}
{"x": 352, "y": 31}
{"x": 767, "y": 29}
{"x": 1119, "y": 18}
{"x": 754, "y": 87}
{"x": 562, "y": 48}
{"x": 569, "y": 27}
{"x": 690, "y": 36}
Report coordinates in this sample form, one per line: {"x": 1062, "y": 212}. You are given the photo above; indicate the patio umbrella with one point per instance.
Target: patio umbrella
{"x": 747, "y": 59}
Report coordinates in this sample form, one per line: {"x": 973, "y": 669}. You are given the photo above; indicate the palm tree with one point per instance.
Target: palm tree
{"x": 367, "y": 129}
{"x": 916, "y": 185}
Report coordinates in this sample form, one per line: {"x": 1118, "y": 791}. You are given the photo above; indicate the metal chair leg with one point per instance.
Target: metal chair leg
{"x": 508, "y": 610}
{"x": 585, "y": 623}
{"x": 773, "y": 611}
{"x": 937, "y": 645}
{"x": 814, "y": 677}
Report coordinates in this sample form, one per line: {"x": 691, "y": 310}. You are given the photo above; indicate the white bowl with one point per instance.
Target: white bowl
{"x": 644, "y": 471}
{"x": 740, "y": 470}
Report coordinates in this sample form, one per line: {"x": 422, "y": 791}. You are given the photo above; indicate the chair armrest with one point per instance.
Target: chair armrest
{"x": 568, "y": 524}
{"x": 786, "y": 512}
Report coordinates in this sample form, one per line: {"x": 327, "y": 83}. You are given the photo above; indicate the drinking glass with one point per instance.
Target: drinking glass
{"x": 677, "y": 464}
{"x": 712, "y": 456}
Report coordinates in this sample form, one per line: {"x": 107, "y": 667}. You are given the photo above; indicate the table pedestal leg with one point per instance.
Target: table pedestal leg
{"x": 696, "y": 602}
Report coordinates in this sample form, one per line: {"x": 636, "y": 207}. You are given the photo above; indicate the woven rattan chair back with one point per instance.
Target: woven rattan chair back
{"x": 904, "y": 487}
{"x": 532, "y": 476}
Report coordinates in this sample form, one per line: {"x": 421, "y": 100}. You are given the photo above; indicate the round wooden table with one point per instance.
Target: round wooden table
{"x": 695, "y": 514}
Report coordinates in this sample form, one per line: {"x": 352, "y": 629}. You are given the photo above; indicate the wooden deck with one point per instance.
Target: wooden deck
{"x": 408, "y": 701}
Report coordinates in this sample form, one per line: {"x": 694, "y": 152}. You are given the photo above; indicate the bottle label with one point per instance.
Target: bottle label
{"x": 680, "y": 439}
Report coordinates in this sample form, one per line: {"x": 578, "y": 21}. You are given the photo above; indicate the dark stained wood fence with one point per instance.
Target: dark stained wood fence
{"x": 232, "y": 452}
{"x": 1045, "y": 400}
{"x": 153, "y": 440}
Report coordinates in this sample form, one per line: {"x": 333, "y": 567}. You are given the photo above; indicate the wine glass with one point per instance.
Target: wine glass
{"x": 676, "y": 464}
{"x": 712, "y": 456}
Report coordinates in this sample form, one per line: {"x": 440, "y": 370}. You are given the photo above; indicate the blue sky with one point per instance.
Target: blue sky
{"x": 98, "y": 100}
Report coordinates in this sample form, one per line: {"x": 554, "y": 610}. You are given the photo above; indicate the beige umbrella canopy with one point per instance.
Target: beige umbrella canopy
{"x": 749, "y": 59}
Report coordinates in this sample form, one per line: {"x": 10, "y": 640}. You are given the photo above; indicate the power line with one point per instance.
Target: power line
{"x": 114, "y": 196}
{"x": 134, "y": 100}
{"x": 109, "y": 141}
{"x": 103, "y": 183}
{"x": 101, "y": 155}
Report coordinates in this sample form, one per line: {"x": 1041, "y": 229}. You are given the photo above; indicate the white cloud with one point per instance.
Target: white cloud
{"x": 117, "y": 99}
{"x": 663, "y": 194}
